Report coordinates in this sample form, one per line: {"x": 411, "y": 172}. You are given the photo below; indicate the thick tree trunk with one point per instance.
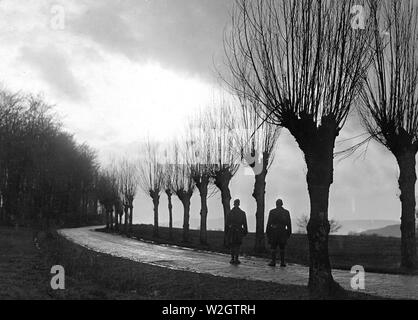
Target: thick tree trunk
{"x": 156, "y": 202}
{"x": 107, "y": 219}
{"x": 222, "y": 180}
{"x": 131, "y": 218}
{"x": 320, "y": 277}
{"x": 170, "y": 214}
{"x": 111, "y": 220}
{"x": 317, "y": 144}
{"x": 407, "y": 181}
{"x": 319, "y": 178}
{"x": 259, "y": 196}
{"x": 186, "y": 218}
{"x": 126, "y": 212}
{"x": 116, "y": 220}
{"x": 226, "y": 204}
{"x": 203, "y": 214}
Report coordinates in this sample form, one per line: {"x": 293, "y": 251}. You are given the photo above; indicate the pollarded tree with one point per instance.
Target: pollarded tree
{"x": 183, "y": 186}
{"x": 102, "y": 188}
{"x": 202, "y": 167}
{"x": 128, "y": 175}
{"x": 219, "y": 122}
{"x": 304, "y": 66}
{"x": 390, "y": 102}
{"x": 257, "y": 143}
{"x": 168, "y": 189}
{"x": 169, "y": 170}
{"x": 151, "y": 177}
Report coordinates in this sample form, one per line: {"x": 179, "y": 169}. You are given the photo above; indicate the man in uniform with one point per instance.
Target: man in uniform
{"x": 236, "y": 230}
{"x": 279, "y": 229}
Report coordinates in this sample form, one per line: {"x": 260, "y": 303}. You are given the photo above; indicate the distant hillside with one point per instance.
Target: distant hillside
{"x": 359, "y": 226}
{"x": 389, "y": 231}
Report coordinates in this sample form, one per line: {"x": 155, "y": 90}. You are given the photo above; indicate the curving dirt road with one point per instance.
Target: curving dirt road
{"x": 391, "y": 286}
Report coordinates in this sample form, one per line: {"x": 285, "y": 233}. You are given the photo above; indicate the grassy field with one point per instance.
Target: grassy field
{"x": 25, "y": 274}
{"x": 375, "y": 254}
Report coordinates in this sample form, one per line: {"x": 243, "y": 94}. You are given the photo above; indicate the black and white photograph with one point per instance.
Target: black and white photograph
{"x": 206, "y": 156}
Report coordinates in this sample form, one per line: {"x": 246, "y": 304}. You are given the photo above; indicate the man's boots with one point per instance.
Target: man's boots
{"x": 282, "y": 262}
{"x": 273, "y": 259}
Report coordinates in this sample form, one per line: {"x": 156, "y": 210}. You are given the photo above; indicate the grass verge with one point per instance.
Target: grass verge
{"x": 25, "y": 274}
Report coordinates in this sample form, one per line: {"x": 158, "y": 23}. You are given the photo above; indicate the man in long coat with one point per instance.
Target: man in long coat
{"x": 279, "y": 229}
{"x": 236, "y": 230}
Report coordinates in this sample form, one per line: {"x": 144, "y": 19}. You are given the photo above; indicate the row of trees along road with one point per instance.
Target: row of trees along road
{"x": 302, "y": 66}
{"x": 48, "y": 180}
{"x": 206, "y": 157}
{"x": 117, "y": 187}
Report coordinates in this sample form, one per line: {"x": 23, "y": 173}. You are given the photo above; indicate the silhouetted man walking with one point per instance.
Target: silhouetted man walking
{"x": 236, "y": 224}
{"x": 279, "y": 229}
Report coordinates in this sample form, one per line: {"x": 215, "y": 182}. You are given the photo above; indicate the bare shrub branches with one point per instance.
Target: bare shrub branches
{"x": 390, "y": 97}
{"x": 150, "y": 170}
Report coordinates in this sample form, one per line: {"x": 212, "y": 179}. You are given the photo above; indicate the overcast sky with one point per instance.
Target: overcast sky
{"x": 119, "y": 70}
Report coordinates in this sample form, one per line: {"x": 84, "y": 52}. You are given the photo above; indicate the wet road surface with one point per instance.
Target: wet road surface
{"x": 384, "y": 285}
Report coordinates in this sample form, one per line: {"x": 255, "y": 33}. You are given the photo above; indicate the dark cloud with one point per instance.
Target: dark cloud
{"x": 54, "y": 69}
{"x": 183, "y": 35}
